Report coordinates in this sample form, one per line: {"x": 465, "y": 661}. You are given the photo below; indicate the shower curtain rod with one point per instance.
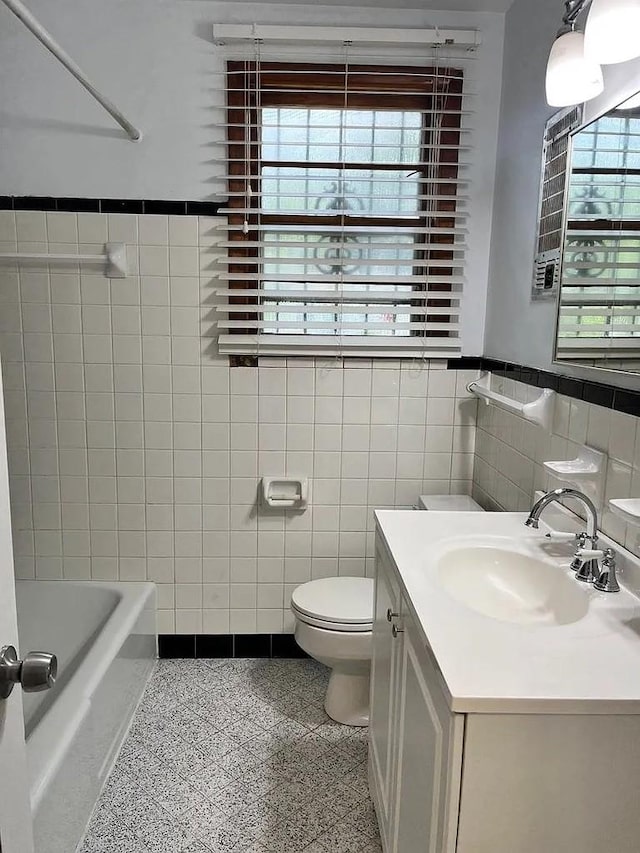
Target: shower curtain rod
{"x": 32, "y": 23}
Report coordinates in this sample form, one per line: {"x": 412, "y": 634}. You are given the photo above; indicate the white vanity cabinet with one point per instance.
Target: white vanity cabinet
{"x": 445, "y": 782}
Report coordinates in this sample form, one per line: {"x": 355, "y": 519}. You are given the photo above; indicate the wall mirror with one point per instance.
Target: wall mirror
{"x": 598, "y": 323}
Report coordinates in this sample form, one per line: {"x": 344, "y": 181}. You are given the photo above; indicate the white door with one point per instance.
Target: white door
{"x": 16, "y": 834}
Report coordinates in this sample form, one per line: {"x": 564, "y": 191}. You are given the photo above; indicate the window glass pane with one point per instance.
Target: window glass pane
{"x": 344, "y": 136}
{"x": 355, "y": 192}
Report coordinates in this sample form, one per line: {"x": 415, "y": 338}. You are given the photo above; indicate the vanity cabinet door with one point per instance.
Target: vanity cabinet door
{"x": 384, "y": 692}
{"x": 429, "y": 759}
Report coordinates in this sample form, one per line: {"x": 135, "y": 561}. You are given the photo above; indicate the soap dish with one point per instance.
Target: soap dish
{"x": 627, "y": 509}
{"x": 285, "y": 492}
{"x": 585, "y": 472}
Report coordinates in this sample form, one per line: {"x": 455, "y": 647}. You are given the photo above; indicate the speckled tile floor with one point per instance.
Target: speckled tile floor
{"x": 236, "y": 756}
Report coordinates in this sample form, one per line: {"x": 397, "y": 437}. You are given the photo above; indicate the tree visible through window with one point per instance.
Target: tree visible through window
{"x": 344, "y": 210}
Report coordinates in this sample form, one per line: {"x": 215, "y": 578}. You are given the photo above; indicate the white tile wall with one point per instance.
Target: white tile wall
{"x": 510, "y": 452}
{"x": 135, "y": 451}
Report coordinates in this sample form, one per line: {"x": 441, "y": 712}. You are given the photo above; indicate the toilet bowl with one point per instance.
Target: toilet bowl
{"x": 334, "y": 622}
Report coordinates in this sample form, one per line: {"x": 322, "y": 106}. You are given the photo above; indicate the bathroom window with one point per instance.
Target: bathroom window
{"x": 346, "y": 209}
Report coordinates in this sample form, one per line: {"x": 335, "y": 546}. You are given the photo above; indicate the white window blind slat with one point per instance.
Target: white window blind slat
{"x": 338, "y": 327}
{"x": 380, "y": 179}
{"x": 593, "y": 268}
{"x": 342, "y": 307}
{"x": 312, "y": 278}
{"x": 371, "y": 297}
{"x": 342, "y": 264}
{"x": 353, "y": 345}
{"x": 302, "y": 245}
{"x": 617, "y": 312}
{"x": 600, "y": 282}
{"x": 231, "y": 211}
{"x": 267, "y": 196}
{"x": 376, "y": 229}
{"x": 350, "y": 165}
{"x": 464, "y": 131}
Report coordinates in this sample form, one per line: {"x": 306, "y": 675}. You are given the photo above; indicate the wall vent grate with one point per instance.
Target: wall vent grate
{"x": 553, "y": 185}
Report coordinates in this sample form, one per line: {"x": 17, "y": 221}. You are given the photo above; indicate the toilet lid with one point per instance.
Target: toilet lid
{"x": 343, "y": 601}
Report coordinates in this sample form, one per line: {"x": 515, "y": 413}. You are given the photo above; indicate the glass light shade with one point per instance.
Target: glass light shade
{"x": 571, "y": 77}
{"x": 613, "y": 31}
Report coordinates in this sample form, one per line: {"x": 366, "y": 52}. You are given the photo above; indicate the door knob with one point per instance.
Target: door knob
{"x": 36, "y": 672}
{"x": 391, "y": 615}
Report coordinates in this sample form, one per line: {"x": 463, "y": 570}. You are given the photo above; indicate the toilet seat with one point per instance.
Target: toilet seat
{"x": 335, "y": 604}
{"x": 338, "y": 627}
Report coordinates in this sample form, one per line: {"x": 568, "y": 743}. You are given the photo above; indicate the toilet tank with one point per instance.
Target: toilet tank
{"x": 449, "y": 503}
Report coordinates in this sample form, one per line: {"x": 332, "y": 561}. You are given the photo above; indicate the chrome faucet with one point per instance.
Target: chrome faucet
{"x": 585, "y": 562}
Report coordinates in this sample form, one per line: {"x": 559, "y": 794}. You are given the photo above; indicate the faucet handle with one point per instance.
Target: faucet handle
{"x": 607, "y": 581}
{"x": 590, "y": 553}
{"x": 581, "y": 539}
{"x": 565, "y": 536}
{"x": 585, "y": 563}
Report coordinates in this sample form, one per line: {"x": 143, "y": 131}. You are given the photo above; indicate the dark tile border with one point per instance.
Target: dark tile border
{"x": 285, "y": 646}
{"x": 608, "y": 396}
{"x": 176, "y": 646}
{"x": 252, "y": 646}
{"x": 464, "y": 363}
{"x": 111, "y": 205}
{"x": 627, "y": 401}
{"x": 214, "y": 646}
{"x": 121, "y": 205}
{"x": 601, "y": 395}
{"x": 33, "y": 203}
{"x": 229, "y": 646}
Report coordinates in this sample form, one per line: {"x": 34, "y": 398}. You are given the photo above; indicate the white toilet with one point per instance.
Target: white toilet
{"x": 334, "y": 621}
{"x": 334, "y": 624}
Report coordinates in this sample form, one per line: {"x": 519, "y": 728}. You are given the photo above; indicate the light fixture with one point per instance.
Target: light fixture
{"x": 571, "y": 77}
{"x": 612, "y": 33}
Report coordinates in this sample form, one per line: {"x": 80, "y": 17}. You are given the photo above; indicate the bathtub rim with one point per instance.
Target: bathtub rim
{"x": 46, "y": 754}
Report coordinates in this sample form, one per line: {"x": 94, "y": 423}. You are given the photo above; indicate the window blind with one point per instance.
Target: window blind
{"x": 346, "y": 202}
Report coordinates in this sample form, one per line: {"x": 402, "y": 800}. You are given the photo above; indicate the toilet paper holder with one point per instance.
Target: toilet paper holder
{"x": 285, "y": 492}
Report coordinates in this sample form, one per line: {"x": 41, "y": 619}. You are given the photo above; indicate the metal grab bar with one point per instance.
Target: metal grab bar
{"x": 43, "y": 36}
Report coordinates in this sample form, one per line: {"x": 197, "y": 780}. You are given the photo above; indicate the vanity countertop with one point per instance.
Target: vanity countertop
{"x": 588, "y": 666}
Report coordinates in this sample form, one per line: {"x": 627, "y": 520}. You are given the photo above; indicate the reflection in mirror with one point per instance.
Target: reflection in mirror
{"x": 599, "y": 302}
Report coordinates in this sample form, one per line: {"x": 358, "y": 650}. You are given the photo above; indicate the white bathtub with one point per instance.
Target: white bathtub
{"x": 104, "y": 635}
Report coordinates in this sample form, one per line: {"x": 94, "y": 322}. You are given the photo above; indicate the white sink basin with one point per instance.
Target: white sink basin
{"x": 511, "y": 586}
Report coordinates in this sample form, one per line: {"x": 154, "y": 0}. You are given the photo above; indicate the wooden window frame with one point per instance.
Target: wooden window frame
{"x": 252, "y": 86}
